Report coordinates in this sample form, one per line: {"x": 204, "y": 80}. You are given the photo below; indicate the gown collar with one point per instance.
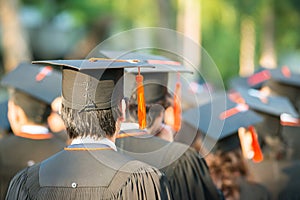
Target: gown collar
{"x": 35, "y": 132}
{"x": 92, "y": 142}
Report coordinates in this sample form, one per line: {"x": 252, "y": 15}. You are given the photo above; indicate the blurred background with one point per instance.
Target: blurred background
{"x": 239, "y": 35}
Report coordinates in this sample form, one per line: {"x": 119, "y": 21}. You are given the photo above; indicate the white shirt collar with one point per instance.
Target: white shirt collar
{"x": 34, "y": 129}
{"x": 89, "y": 140}
{"x": 128, "y": 126}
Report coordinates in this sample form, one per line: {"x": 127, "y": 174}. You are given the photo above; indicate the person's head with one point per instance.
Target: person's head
{"x": 92, "y": 92}
{"x": 154, "y": 109}
{"x": 32, "y": 88}
{"x": 155, "y": 112}
{"x": 23, "y": 109}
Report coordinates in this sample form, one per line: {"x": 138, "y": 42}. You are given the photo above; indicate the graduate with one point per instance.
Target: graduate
{"x": 186, "y": 170}
{"x": 91, "y": 167}
{"x": 31, "y": 88}
{"x": 227, "y": 164}
{"x": 278, "y": 141}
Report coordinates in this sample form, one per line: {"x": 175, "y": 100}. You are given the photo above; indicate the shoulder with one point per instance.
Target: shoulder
{"x": 135, "y": 166}
{"x": 141, "y": 181}
{"x": 24, "y": 182}
{"x": 253, "y": 190}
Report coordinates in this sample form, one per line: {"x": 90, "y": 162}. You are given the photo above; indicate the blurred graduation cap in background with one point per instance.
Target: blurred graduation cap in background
{"x": 222, "y": 112}
{"x": 95, "y": 83}
{"x": 40, "y": 81}
{"x": 264, "y": 103}
{"x": 285, "y": 76}
{"x": 256, "y": 80}
{"x": 285, "y": 82}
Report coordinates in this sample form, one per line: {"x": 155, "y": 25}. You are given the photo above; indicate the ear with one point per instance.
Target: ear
{"x": 56, "y": 104}
{"x": 123, "y": 110}
{"x": 169, "y": 116}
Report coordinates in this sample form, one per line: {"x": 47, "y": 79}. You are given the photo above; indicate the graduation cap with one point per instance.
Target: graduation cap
{"x": 91, "y": 84}
{"x": 284, "y": 82}
{"x": 256, "y": 80}
{"x": 259, "y": 101}
{"x": 222, "y": 112}
{"x": 155, "y": 80}
{"x": 285, "y": 76}
{"x": 40, "y": 81}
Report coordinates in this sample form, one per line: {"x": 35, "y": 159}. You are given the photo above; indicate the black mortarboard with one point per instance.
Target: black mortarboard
{"x": 95, "y": 83}
{"x": 256, "y": 80}
{"x": 271, "y": 105}
{"x": 4, "y": 123}
{"x": 286, "y": 83}
{"x": 40, "y": 81}
{"x": 155, "y": 79}
{"x": 220, "y": 120}
{"x": 285, "y": 76}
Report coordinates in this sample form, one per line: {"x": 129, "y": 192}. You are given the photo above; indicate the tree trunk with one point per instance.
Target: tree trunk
{"x": 165, "y": 14}
{"x": 15, "y": 47}
{"x": 189, "y": 24}
{"x": 247, "y": 46}
{"x": 268, "y": 57}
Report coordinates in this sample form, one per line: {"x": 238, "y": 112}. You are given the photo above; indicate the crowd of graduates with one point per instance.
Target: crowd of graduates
{"x": 69, "y": 132}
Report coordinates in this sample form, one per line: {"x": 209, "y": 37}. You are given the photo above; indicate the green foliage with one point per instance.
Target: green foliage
{"x": 220, "y": 22}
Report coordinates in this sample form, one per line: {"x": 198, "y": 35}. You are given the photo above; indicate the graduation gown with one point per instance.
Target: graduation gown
{"x": 281, "y": 177}
{"x": 186, "y": 171}
{"x": 18, "y": 152}
{"x": 251, "y": 190}
{"x": 89, "y": 172}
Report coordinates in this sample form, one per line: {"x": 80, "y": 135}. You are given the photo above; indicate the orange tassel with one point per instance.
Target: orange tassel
{"x": 258, "y": 156}
{"x": 177, "y": 106}
{"x": 141, "y": 100}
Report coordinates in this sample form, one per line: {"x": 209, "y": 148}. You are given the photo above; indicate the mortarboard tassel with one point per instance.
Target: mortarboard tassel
{"x": 258, "y": 156}
{"x": 141, "y": 100}
{"x": 286, "y": 72}
{"x": 177, "y": 105}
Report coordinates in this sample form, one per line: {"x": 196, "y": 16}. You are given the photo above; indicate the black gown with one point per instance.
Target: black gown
{"x": 186, "y": 171}
{"x": 252, "y": 190}
{"x": 92, "y": 171}
{"x": 281, "y": 177}
{"x": 16, "y": 153}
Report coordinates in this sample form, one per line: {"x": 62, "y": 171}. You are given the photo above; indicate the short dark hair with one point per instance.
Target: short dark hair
{"x": 153, "y": 110}
{"x": 36, "y": 110}
{"x": 94, "y": 123}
